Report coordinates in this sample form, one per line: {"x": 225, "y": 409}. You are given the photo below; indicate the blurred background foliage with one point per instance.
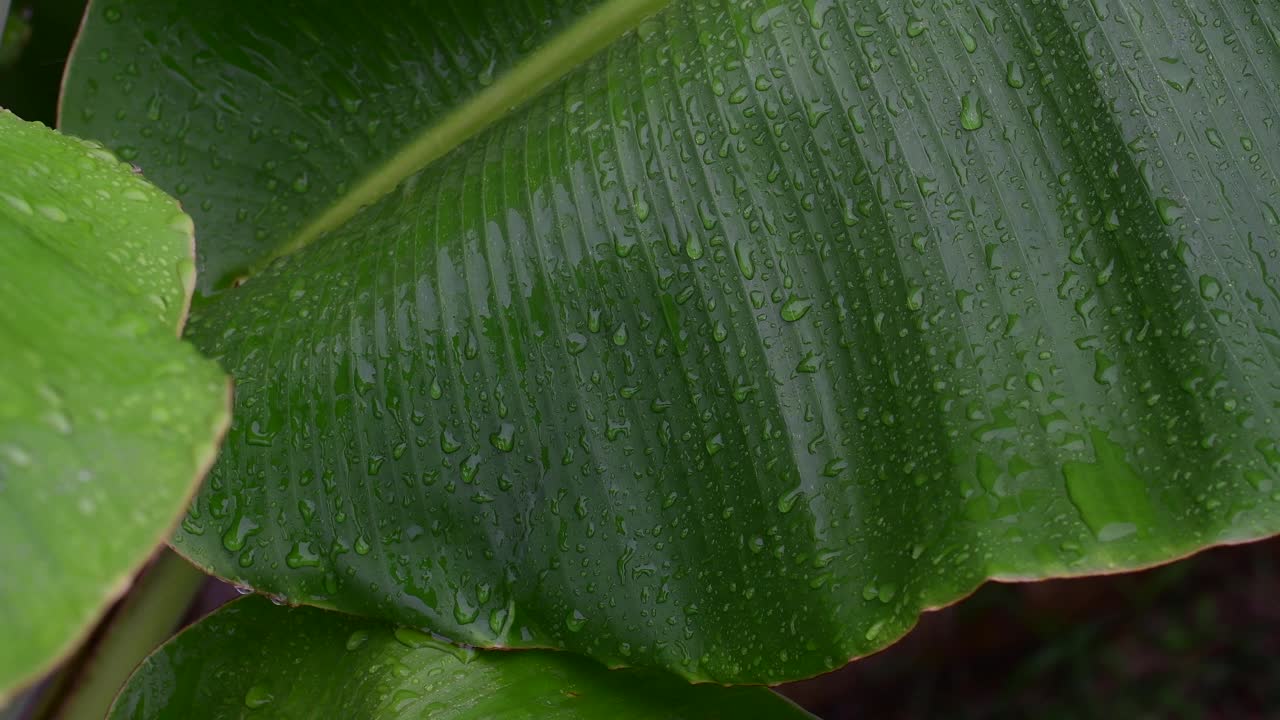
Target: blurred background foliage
{"x": 1196, "y": 639}
{"x": 34, "y": 45}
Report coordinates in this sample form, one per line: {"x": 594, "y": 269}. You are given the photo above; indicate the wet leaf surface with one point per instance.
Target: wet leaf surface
{"x": 252, "y": 659}
{"x": 745, "y": 341}
{"x": 107, "y": 420}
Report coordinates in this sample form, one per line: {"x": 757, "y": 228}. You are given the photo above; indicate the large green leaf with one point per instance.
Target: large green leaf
{"x": 764, "y": 330}
{"x": 272, "y": 117}
{"x": 107, "y": 420}
{"x": 253, "y": 659}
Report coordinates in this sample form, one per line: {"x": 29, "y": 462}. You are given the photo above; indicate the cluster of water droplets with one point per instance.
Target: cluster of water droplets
{"x": 776, "y": 311}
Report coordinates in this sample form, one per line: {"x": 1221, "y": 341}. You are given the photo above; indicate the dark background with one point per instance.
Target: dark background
{"x": 1196, "y": 639}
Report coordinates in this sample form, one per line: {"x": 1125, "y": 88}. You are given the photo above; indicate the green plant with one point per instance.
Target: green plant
{"x": 107, "y": 420}
{"x": 722, "y": 338}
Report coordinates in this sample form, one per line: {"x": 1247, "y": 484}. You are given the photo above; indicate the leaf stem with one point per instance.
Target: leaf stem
{"x": 585, "y": 38}
{"x": 4, "y": 18}
{"x": 145, "y": 619}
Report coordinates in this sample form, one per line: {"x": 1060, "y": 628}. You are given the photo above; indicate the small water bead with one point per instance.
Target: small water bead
{"x": 795, "y": 308}
{"x": 970, "y": 115}
{"x": 504, "y": 439}
{"x": 787, "y": 502}
{"x": 258, "y": 696}
{"x": 415, "y": 639}
{"x": 1034, "y": 382}
{"x": 356, "y": 640}
{"x": 835, "y": 467}
{"x": 448, "y": 443}
{"x": 746, "y": 266}
{"x": 1170, "y": 210}
{"x": 715, "y": 444}
{"x": 464, "y": 612}
{"x": 17, "y": 203}
{"x": 412, "y": 638}
{"x": 362, "y": 546}
{"x": 915, "y": 298}
{"x": 575, "y": 343}
{"x": 1210, "y": 288}
{"x": 55, "y": 214}
{"x": 1014, "y": 76}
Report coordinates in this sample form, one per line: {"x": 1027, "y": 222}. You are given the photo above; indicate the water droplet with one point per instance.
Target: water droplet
{"x": 719, "y": 332}
{"x": 55, "y": 214}
{"x": 448, "y": 443}
{"x": 469, "y": 468}
{"x": 1013, "y": 75}
{"x": 258, "y": 435}
{"x": 915, "y": 298}
{"x": 970, "y": 115}
{"x": 715, "y": 444}
{"x": 498, "y": 620}
{"x": 362, "y": 546}
{"x": 1110, "y": 497}
{"x": 258, "y": 696}
{"x": 356, "y": 639}
{"x": 17, "y": 203}
{"x": 787, "y": 502}
{"x": 1210, "y": 288}
{"x": 301, "y": 555}
{"x": 411, "y": 638}
{"x": 1105, "y": 371}
{"x": 238, "y": 532}
{"x": 743, "y": 255}
{"x": 504, "y": 439}
{"x": 795, "y": 308}
{"x": 403, "y": 698}
{"x": 464, "y": 612}
{"x": 1170, "y": 210}
{"x": 809, "y": 363}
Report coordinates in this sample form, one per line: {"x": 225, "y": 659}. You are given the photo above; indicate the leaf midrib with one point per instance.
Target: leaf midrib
{"x": 584, "y": 38}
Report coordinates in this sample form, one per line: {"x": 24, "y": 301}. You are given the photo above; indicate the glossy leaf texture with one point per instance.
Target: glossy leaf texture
{"x": 254, "y": 659}
{"x": 261, "y": 117}
{"x": 772, "y": 326}
{"x": 107, "y": 419}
